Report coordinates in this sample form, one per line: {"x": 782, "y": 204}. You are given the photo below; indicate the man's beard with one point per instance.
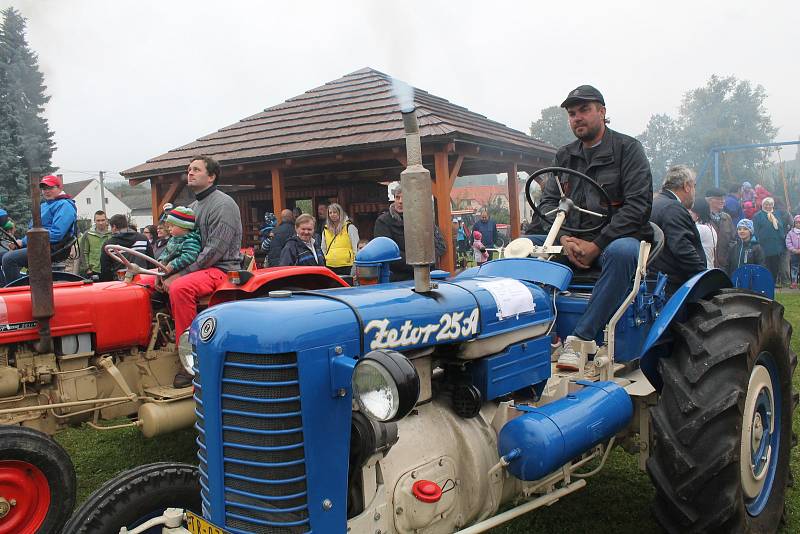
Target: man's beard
{"x": 591, "y": 133}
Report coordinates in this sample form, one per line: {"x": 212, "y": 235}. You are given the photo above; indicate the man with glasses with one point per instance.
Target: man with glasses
{"x": 59, "y": 215}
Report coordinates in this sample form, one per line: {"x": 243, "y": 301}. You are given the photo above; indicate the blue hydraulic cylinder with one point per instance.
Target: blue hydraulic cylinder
{"x": 545, "y": 438}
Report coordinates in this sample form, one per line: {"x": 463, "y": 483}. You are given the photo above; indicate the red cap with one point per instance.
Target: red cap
{"x": 51, "y": 180}
{"x": 426, "y": 491}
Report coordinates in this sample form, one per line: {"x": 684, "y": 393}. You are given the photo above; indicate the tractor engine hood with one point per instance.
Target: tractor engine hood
{"x": 396, "y": 317}
{"x": 389, "y": 316}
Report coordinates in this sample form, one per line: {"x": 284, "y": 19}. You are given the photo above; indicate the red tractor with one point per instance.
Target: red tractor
{"x": 106, "y": 352}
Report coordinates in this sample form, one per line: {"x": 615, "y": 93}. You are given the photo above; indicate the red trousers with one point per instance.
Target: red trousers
{"x": 186, "y": 290}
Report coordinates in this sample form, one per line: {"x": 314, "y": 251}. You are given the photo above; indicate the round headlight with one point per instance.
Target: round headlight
{"x": 186, "y": 352}
{"x": 385, "y": 385}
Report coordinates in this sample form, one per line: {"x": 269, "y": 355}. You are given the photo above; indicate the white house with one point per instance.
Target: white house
{"x": 87, "y": 199}
{"x": 141, "y": 211}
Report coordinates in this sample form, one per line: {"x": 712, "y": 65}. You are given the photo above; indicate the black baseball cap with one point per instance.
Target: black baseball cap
{"x": 583, "y": 93}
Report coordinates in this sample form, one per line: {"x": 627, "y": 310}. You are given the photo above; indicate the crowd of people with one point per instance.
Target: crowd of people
{"x": 749, "y": 225}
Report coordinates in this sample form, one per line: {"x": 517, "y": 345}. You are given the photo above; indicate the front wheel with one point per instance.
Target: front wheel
{"x": 137, "y": 495}
{"x": 722, "y": 429}
{"x": 37, "y": 482}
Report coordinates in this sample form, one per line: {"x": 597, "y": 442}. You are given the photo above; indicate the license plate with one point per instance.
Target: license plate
{"x": 197, "y": 525}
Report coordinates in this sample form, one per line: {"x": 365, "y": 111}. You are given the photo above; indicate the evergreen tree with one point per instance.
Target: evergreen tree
{"x": 26, "y": 142}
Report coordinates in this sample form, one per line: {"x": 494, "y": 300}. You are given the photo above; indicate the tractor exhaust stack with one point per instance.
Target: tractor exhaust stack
{"x": 40, "y": 272}
{"x": 415, "y": 182}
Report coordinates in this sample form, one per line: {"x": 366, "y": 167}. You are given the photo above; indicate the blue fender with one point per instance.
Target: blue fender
{"x": 755, "y": 278}
{"x": 530, "y": 270}
{"x": 697, "y": 287}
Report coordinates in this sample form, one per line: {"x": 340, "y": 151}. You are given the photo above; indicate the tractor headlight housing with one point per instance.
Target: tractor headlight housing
{"x": 186, "y": 352}
{"x": 385, "y": 385}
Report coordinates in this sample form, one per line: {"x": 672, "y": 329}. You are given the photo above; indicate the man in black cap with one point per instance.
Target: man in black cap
{"x": 618, "y": 164}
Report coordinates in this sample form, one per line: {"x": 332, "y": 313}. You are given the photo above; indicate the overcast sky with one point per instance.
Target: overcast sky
{"x": 130, "y": 80}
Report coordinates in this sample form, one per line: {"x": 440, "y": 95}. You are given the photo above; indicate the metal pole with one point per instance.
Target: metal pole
{"x": 716, "y": 169}
{"x": 102, "y": 191}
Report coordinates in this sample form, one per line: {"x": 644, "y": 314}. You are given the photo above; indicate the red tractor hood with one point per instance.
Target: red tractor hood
{"x": 118, "y": 314}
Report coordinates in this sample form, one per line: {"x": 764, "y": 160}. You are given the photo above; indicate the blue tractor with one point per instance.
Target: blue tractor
{"x": 430, "y": 406}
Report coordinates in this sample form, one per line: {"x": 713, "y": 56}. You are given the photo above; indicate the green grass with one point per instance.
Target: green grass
{"x": 100, "y": 455}
{"x": 616, "y": 499}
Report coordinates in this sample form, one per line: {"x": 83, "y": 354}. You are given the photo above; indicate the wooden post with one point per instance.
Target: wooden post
{"x": 174, "y": 190}
{"x": 156, "y": 200}
{"x": 441, "y": 191}
{"x": 513, "y": 200}
{"x": 278, "y": 193}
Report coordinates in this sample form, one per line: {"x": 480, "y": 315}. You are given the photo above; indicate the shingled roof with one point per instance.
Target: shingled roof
{"x": 354, "y": 112}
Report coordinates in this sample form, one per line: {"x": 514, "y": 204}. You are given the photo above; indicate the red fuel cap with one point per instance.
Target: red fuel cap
{"x": 426, "y": 491}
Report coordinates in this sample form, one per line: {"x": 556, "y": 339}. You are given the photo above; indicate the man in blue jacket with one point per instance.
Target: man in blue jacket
{"x": 58, "y": 217}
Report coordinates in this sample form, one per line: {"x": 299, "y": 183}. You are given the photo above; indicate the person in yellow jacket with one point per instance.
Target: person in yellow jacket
{"x": 339, "y": 241}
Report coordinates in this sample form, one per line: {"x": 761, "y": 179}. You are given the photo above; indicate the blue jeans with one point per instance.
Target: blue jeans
{"x": 12, "y": 262}
{"x": 618, "y": 265}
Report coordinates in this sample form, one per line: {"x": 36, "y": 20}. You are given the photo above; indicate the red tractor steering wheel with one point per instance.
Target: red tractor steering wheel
{"x": 116, "y": 252}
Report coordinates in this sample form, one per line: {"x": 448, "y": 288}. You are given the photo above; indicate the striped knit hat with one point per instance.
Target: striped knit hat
{"x": 181, "y": 217}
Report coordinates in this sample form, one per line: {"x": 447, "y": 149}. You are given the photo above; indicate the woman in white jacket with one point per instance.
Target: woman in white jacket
{"x": 701, "y": 214}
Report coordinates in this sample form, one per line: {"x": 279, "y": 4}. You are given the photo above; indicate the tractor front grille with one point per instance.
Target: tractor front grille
{"x": 263, "y": 449}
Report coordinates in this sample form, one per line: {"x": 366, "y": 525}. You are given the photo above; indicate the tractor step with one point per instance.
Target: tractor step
{"x": 590, "y": 372}
{"x": 168, "y": 392}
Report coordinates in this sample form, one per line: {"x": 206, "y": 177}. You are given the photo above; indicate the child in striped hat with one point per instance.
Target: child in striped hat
{"x": 184, "y": 245}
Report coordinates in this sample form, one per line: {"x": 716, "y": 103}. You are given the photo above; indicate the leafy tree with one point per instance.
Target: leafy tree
{"x": 663, "y": 145}
{"x": 26, "y": 142}
{"x": 725, "y": 111}
{"x": 553, "y": 127}
{"x": 498, "y": 210}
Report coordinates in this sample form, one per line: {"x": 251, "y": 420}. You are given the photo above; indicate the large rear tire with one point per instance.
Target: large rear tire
{"x": 133, "y": 497}
{"x": 722, "y": 429}
{"x": 37, "y": 482}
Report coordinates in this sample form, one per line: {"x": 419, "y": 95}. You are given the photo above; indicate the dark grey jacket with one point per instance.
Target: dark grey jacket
{"x": 219, "y": 223}
{"x": 621, "y": 168}
{"x": 390, "y": 224}
{"x": 683, "y": 255}
{"x": 281, "y": 235}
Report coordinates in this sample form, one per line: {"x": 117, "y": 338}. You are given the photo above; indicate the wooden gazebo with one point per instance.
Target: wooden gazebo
{"x": 343, "y": 142}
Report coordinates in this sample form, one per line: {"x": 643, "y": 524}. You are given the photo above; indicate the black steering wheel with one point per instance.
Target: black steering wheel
{"x": 7, "y": 239}
{"x": 565, "y": 203}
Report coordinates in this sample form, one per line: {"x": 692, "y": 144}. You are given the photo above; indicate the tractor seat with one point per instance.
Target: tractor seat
{"x": 590, "y": 276}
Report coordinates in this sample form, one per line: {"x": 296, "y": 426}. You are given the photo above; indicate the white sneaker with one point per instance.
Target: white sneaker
{"x": 572, "y": 356}
{"x": 569, "y": 359}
